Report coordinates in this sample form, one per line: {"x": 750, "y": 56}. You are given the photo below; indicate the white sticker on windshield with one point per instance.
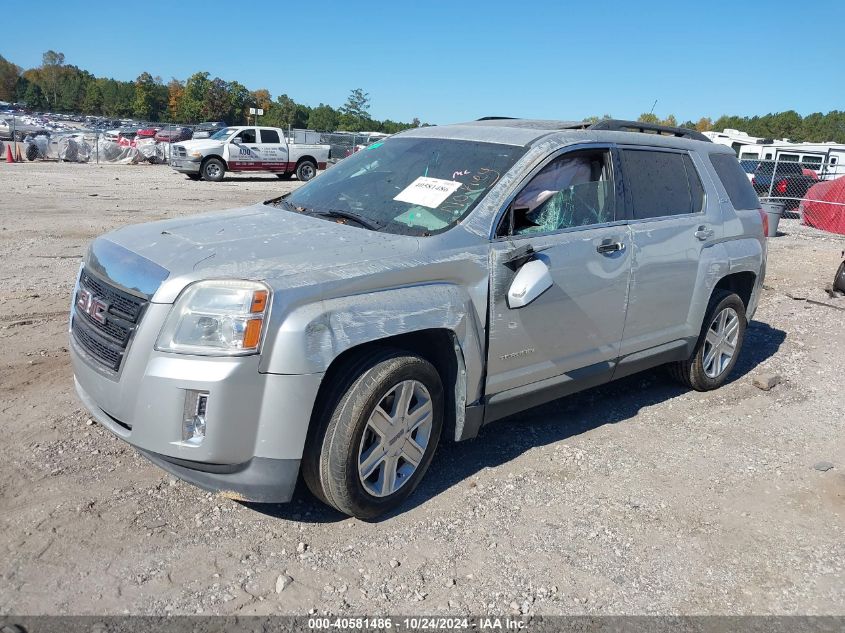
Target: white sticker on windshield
{"x": 428, "y": 192}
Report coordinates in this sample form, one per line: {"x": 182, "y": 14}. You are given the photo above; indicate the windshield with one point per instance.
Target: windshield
{"x": 223, "y": 134}
{"x": 409, "y": 185}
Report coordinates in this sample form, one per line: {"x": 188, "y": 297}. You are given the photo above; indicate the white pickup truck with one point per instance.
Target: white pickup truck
{"x": 248, "y": 148}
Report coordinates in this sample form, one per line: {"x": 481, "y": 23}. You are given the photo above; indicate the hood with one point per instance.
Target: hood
{"x": 201, "y": 144}
{"x": 259, "y": 242}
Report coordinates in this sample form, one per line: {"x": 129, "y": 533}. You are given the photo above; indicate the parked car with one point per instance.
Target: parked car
{"x": 128, "y": 133}
{"x": 174, "y": 134}
{"x": 750, "y": 168}
{"x": 148, "y": 131}
{"x": 248, "y": 148}
{"x": 208, "y": 129}
{"x": 423, "y": 287}
{"x": 782, "y": 181}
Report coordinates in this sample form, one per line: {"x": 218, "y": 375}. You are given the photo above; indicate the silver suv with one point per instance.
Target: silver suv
{"x": 430, "y": 284}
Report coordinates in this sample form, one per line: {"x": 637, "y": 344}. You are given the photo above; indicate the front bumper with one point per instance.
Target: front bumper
{"x": 255, "y": 424}
{"x": 185, "y": 165}
{"x": 261, "y": 479}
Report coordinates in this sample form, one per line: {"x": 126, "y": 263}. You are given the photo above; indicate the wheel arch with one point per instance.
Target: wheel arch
{"x": 439, "y": 346}
{"x": 741, "y": 283}
{"x": 435, "y": 321}
{"x": 205, "y": 159}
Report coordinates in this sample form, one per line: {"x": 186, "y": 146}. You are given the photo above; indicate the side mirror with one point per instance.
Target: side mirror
{"x": 532, "y": 280}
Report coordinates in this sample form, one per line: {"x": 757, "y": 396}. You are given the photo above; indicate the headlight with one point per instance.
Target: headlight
{"x": 196, "y": 154}
{"x": 216, "y": 318}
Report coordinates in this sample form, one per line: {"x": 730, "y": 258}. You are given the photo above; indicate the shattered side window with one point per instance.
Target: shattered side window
{"x": 574, "y": 190}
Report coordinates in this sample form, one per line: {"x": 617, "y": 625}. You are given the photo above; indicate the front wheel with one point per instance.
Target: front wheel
{"x": 718, "y": 346}
{"x": 306, "y": 170}
{"x": 213, "y": 169}
{"x": 377, "y": 435}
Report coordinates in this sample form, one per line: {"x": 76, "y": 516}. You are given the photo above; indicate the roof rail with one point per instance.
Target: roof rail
{"x": 654, "y": 128}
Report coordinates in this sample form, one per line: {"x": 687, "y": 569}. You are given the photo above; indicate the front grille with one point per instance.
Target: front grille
{"x": 106, "y": 341}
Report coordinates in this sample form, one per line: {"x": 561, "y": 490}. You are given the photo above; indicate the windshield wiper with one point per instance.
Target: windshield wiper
{"x": 367, "y": 223}
{"x": 284, "y": 203}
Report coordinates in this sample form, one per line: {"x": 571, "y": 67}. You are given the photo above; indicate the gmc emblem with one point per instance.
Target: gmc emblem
{"x": 94, "y": 307}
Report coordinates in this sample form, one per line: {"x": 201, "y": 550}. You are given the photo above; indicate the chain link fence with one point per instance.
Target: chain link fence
{"x": 809, "y": 188}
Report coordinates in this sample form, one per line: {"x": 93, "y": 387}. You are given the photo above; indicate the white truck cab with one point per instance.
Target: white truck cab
{"x": 248, "y": 148}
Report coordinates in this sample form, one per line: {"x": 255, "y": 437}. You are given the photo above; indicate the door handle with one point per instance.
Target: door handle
{"x": 703, "y": 233}
{"x": 607, "y": 247}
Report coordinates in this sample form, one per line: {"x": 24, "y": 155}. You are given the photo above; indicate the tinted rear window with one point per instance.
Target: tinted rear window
{"x": 269, "y": 136}
{"x": 735, "y": 181}
{"x": 662, "y": 183}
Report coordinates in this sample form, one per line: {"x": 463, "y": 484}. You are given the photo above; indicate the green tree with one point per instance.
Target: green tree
{"x": 92, "y": 102}
{"x": 355, "y": 115}
{"x": 323, "y": 118}
{"x": 144, "y": 106}
{"x": 9, "y": 75}
{"x": 196, "y": 88}
{"x": 240, "y": 99}
{"x": 281, "y": 113}
{"x": 670, "y": 120}
{"x": 33, "y": 97}
{"x": 216, "y": 105}
{"x": 648, "y": 117}
{"x": 51, "y": 67}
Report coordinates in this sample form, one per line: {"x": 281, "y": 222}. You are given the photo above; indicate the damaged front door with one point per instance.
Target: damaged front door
{"x": 564, "y": 226}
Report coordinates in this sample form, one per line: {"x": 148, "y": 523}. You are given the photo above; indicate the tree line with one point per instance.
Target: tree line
{"x": 815, "y": 128}
{"x": 59, "y": 87}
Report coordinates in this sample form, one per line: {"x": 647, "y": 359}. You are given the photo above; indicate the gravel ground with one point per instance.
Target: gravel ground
{"x": 635, "y": 498}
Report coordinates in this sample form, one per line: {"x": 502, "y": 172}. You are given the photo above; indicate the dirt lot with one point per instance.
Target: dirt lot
{"x": 638, "y": 497}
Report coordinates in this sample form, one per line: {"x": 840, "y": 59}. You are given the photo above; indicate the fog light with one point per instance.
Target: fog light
{"x": 193, "y": 422}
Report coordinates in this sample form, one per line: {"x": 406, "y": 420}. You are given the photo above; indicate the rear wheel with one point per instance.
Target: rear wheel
{"x": 718, "y": 344}
{"x": 213, "y": 169}
{"x": 377, "y": 434}
{"x": 306, "y": 170}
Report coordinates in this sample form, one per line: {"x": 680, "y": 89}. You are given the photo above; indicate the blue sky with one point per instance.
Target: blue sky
{"x": 452, "y": 61}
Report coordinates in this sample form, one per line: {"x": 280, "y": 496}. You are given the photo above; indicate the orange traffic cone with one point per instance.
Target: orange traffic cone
{"x": 18, "y": 157}
{"x": 9, "y": 157}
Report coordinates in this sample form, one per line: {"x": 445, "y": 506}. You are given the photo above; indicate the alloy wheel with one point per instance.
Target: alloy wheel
{"x": 720, "y": 342}
{"x": 395, "y": 438}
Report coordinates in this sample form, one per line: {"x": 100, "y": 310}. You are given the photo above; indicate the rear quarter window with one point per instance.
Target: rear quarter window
{"x": 735, "y": 181}
{"x": 662, "y": 183}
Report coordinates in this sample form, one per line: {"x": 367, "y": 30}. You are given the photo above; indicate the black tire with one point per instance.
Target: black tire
{"x": 31, "y": 151}
{"x": 213, "y": 169}
{"x": 306, "y": 170}
{"x": 839, "y": 278}
{"x": 691, "y": 372}
{"x": 330, "y": 460}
